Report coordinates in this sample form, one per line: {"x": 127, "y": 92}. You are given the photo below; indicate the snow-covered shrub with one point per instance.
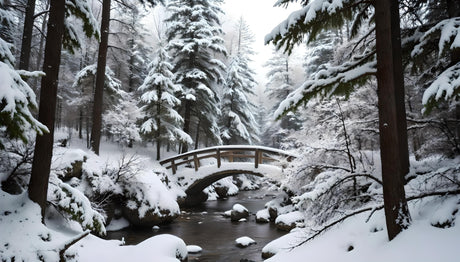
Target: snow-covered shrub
{"x": 76, "y": 205}
{"x": 120, "y": 121}
{"x": 20, "y": 218}
{"x": 16, "y": 164}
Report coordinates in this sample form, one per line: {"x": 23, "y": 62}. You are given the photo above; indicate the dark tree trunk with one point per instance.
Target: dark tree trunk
{"x": 453, "y": 10}
{"x": 80, "y": 124}
{"x": 38, "y": 185}
{"x": 40, "y": 49}
{"x": 392, "y": 116}
{"x": 187, "y": 116}
{"x": 158, "y": 133}
{"x": 100, "y": 78}
{"x": 27, "y": 35}
{"x": 197, "y": 135}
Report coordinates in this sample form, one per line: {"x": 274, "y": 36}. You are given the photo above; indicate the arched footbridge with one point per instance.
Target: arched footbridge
{"x": 198, "y": 169}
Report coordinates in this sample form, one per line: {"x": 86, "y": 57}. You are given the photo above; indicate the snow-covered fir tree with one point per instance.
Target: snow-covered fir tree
{"x": 238, "y": 122}
{"x": 17, "y": 99}
{"x": 120, "y": 121}
{"x": 162, "y": 122}
{"x": 195, "y": 43}
{"x": 81, "y": 94}
{"x": 280, "y": 84}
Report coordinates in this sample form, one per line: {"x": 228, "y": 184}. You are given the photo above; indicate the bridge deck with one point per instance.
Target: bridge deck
{"x": 230, "y": 153}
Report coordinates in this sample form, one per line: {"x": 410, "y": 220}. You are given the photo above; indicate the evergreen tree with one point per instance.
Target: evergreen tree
{"x": 280, "y": 84}
{"x": 162, "y": 121}
{"x": 195, "y": 42}
{"x": 320, "y": 15}
{"x": 238, "y": 122}
{"x": 239, "y": 125}
{"x": 17, "y": 100}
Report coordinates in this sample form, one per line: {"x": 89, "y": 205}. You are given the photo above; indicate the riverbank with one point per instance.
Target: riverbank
{"x": 206, "y": 227}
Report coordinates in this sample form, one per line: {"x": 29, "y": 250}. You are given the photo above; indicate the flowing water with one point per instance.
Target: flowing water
{"x": 206, "y": 227}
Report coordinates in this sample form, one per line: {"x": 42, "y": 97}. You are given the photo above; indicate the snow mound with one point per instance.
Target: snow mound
{"x": 239, "y": 208}
{"x": 244, "y": 241}
{"x": 194, "y": 249}
{"x": 290, "y": 218}
{"x": 263, "y": 215}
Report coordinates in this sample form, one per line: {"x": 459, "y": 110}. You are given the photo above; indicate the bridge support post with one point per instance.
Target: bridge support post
{"x": 173, "y": 167}
{"x": 256, "y": 158}
{"x": 218, "y": 157}
{"x": 196, "y": 162}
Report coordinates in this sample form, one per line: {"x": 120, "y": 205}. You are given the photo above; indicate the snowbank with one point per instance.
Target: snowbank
{"x": 25, "y": 238}
{"x": 356, "y": 241}
{"x": 158, "y": 248}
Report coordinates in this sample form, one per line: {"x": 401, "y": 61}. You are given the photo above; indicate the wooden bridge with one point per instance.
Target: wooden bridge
{"x": 223, "y": 161}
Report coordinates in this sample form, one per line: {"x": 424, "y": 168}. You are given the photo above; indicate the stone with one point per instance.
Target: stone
{"x": 222, "y": 192}
{"x": 238, "y": 212}
{"x": 150, "y": 219}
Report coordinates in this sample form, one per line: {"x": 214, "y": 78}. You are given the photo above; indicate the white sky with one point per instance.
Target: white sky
{"x": 261, "y": 17}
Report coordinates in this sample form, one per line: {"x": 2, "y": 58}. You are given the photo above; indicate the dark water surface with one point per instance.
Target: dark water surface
{"x": 206, "y": 227}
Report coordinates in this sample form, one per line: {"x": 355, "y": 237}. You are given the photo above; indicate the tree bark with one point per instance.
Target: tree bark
{"x": 187, "y": 116}
{"x": 453, "y": 10}
{"x": 38, "y": 185}
{"x": 27, "y": 35}
{"x": 100, "y": 78}
{"x": 392, "y": 116}
{"x": 197, "y": 135}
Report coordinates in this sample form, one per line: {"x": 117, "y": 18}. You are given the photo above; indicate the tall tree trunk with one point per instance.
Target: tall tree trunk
{"x": 158, "y": 120}
{"x": 40, "y": 49}
{"x": 100, "y": 78}
{"x": 197, "y": 135}
{"x": 187, "y": 116}
{"x": 38, "y": 185}
{"x": 80, "y": 123}
{"x": 392, "y": 116}
{"x": 453, "y": 10}
{"x": 27, "y": 35}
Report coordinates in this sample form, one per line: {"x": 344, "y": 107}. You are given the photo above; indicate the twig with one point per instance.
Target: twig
{"x": 72, "y": 242}
{"x": 373, "y": 210}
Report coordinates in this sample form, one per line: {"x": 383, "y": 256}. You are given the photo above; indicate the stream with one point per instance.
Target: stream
{"x": 206, "y": 227}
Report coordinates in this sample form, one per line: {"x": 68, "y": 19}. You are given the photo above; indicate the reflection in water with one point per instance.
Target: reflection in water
{"x": 206, "y": 227}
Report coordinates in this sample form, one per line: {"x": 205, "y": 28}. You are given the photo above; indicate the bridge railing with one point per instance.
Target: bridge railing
{"x": 230, "y": 153}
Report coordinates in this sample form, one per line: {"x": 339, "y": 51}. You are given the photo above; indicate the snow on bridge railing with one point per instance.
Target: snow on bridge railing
{"x": 259, "y": 153}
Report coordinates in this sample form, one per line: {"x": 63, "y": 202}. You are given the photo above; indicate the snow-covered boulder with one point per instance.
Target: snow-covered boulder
{"x": 244, "y": 241}
{"x": 171, "y": 246}
{"x": 238, "y": 212}
{"x": 149, "y": 203}
{"x": 222, "y": 192}
{"x": 289, "y": 221}
{"x": 263, "y": 216}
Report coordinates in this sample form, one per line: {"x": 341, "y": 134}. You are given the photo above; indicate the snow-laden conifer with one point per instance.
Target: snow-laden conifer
{"x": 238, "y": 121}
{"x": 162, "y": 122}
{"x": 17, "y": 99}
{"x": 239, "y": 125}
{"x": 195, "y": 43}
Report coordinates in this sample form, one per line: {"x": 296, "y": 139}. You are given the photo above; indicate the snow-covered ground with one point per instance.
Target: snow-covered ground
{"x": 356, "y": 240}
